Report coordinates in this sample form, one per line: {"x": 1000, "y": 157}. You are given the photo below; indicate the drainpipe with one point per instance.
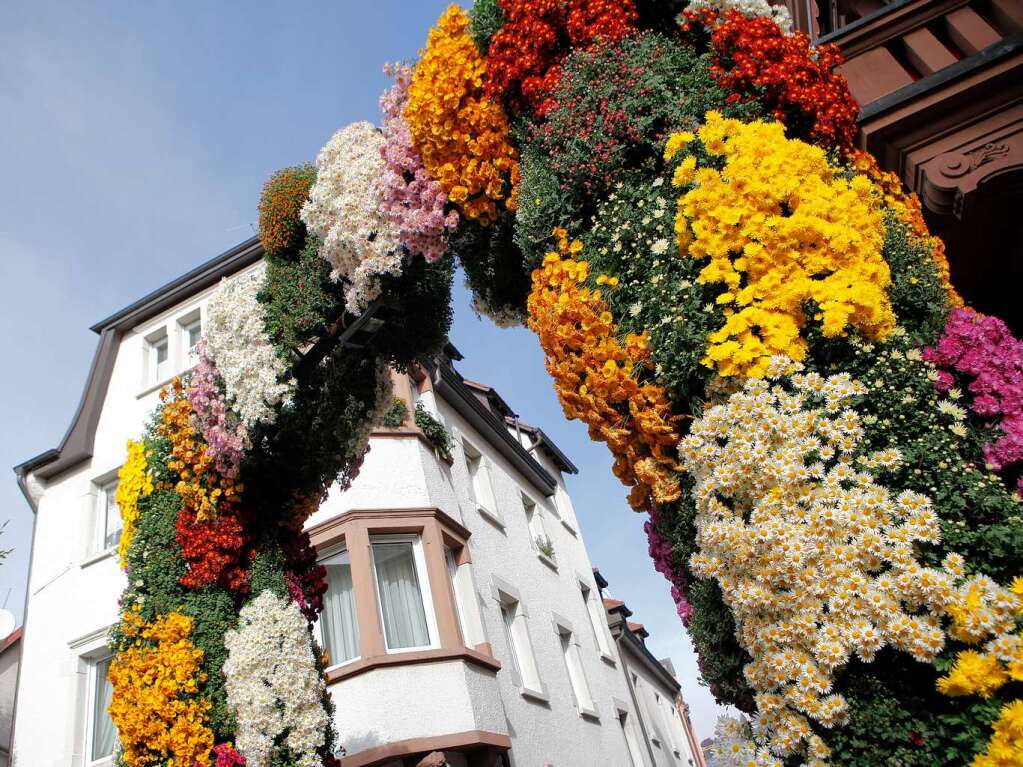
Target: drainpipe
{"x": 635, "y": 703}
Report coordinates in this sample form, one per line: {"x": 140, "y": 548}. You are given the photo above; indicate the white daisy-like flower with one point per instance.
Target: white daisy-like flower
{"x": 660, "y": 247}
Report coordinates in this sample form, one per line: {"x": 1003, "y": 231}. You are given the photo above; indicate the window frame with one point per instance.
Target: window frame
{"x": 91, "y": 693}
{"x": 537, "y": 528}
{"x": 185, "y": 324}
{"x": 526, "y": 671}
{"x": 331, "y": 553}
{"x": 481, "y": 482}
{"x": 582, "y": 693}
{"x": 106, "y": 491}
{"x": 425, "y": 589}
{"x": 152, "y": 343}
{"x": 594, "y": 606}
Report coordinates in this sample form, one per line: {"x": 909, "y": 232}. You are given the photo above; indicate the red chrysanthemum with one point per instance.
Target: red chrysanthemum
{"x": 217, "y": 551}
{"x": 526, "y": 51}
{"x": 756, "y": 60}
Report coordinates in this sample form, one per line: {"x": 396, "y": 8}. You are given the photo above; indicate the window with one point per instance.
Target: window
{"x": 537, "y": 532}
{"x": 101, "y": 735}
{"x": 525, "y": 673}
{"x": 482, "y": 487}
{"x": 405, "y": 607}
{"x": 574, "y": 665}
{"x": 598, "y": 620}
{"x": 157, "y": 358}
{"x": 191, "y": 334}
{"x": 108, "y": 517}
{"x": 449, "y": 560}
{"x": 338, "y": 624}
{"x": 635, "y": 758}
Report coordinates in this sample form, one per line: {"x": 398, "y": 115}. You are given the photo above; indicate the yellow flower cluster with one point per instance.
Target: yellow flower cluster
{"x": 462, "y": 136}
{"x": 815, "y": 559}
{"x": 779, "y": 227}
{"x": 199, "y": 484}
{"x": 1006, "y": 746}
{"x": 159, "y": 716}
{"x": 133, "y": 483}
{"x": 596, "y": 374}
{"x": 907, "y": 207}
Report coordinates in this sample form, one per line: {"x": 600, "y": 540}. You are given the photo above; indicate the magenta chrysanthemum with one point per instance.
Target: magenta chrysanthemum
{"x": 412, "y": 200}
{"x": 983, "y": 351}
{"x": 660, "y": 553}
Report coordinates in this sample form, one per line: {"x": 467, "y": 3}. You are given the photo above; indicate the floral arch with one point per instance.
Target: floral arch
{"x": 826, "y": 442}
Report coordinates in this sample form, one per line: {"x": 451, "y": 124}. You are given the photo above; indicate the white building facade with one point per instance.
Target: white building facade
{"x": 462, "y": 615}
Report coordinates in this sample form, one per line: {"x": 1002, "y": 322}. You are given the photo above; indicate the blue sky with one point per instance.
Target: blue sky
{"x": 134, "y": 143}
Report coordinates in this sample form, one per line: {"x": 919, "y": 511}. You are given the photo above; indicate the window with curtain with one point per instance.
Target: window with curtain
{"x": 102, "y": 733}
{"x": 339, "y": 627}
{"x": 402, "y": 603}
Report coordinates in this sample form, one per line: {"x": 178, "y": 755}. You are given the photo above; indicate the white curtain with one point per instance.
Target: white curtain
{"x": 104, "y": 734}
{"x": 338, "y": 621}
{"x": 401, "y": 600}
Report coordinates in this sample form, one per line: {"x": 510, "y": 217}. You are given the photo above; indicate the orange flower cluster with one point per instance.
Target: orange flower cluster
{"x": 907, "y": 207}
{"x": 284, "y": 193}
{"x": 199, "y": 484}
{"x": 462, "y": 136}
{"x": 155, "y": 705}
{"x": 596, "y": 375}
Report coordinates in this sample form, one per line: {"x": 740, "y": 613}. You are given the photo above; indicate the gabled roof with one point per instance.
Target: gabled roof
{"x": 78, "y": 441}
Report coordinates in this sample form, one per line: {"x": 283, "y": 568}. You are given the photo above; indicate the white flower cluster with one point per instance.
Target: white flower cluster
{"x": 502, "y": 316}
{"x": 814, "y": 558}
{"x": 750, "y": 8}
{"x": 273, "y": 686}
{"x": 345, "y": 210}
{"x": 733, "y": 746}
{"x": 245, "y": 358}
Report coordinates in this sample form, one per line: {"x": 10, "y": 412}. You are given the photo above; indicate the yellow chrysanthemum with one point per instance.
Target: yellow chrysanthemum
{"x": 159, "y": 715}
{"x": 780, "y": 227}
{"x": 462, "y": 136}
{"x": 974, "y": 673}
{"x": 133, "y": 483}
{"x": 595, "y": 374}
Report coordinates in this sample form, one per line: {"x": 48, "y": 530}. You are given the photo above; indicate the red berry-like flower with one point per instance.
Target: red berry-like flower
{"x": 217, "y": 551}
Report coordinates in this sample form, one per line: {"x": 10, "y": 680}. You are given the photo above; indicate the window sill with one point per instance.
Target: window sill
{"x": 99, "y": 557}
{"x": 535, "y": 695}
{"x": 149, "y": 389}
{"x": 361, "y": 666}
{"x": 589, "y": 713}
{"x": 547, "y": 561}
{"x": 608, "y": 659}
{"x": 570, "y": 529}
{"x": 491, "y": 517}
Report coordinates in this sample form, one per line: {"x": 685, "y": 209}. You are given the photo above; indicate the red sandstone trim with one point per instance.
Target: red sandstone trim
{"x": 361, "y": 666}
{"x": 455, "y": 742}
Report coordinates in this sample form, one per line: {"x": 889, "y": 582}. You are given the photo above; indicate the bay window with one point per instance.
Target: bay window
{"x": 338, "y": 624}
{"x": 404, "y": 598}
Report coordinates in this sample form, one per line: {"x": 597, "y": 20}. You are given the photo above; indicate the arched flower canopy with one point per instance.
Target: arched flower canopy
{"x": 749, "y": 313}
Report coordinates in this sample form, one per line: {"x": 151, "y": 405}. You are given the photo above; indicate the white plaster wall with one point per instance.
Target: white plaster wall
{"x": 71, "y": 592}
{"x": 552, "y": 732}
{"x": 397, "y": 703}
{"x": 8, "y": 680}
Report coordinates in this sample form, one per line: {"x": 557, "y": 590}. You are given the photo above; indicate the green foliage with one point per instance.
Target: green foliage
{"x": 268, "y": 568}
{"x": 917, "y": 295}
{"x": 614, "y": 108}
{"x": 299, "y": 299}
{"x": 494, "y": 269}
{"x": 434, "y": 431}
{"x": 633, "y": 237}
{"x": 420, "y": 311}
{"x": 486, "y": 18}
{"x": 980, "y": 517}
{"x": 395, "y": 415}
{"x": 893, "y": 721}
{"x": 154, "y": 561}
{"x": 319, "y": 438}
{"x": 214, "y": 612}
